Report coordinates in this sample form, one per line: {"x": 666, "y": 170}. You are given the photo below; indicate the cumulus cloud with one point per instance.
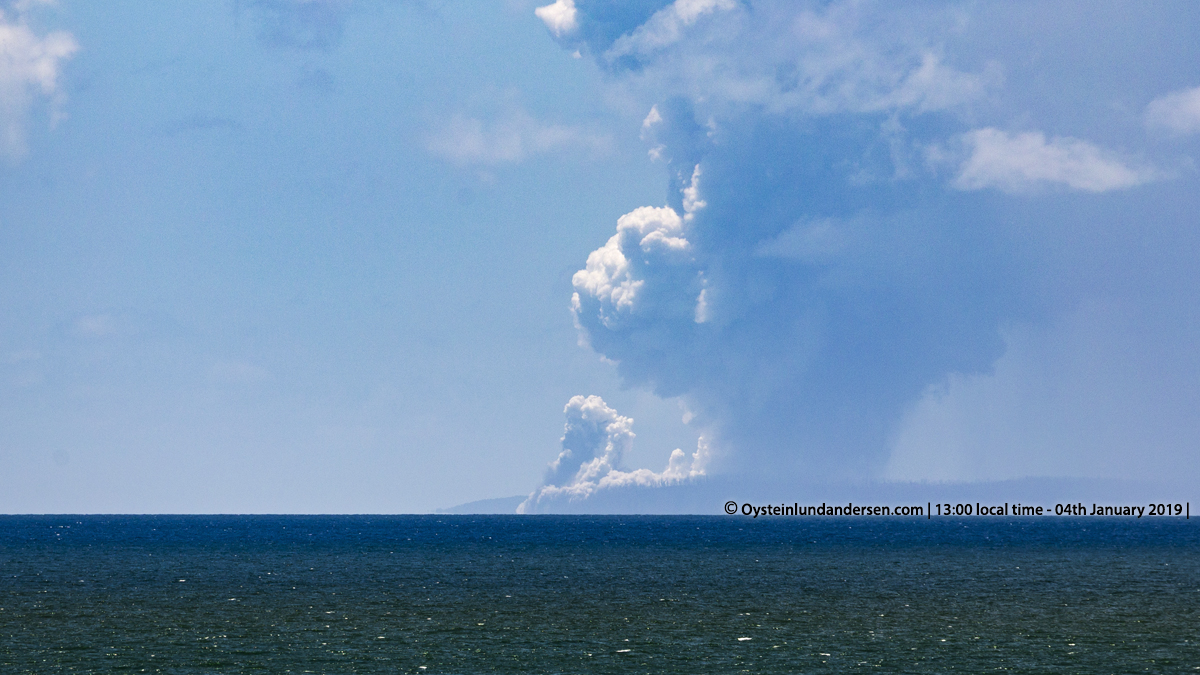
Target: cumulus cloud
{"x": 30, "y": 69}
{"x": 1177, "y": 112}
{"x": 649, "y": 240}
{"x": 1023, "y": 161}
{"x": 509, "y": 136}
{"x": 595, "y": 440}
{"x": 650, "y": 243}
{"x": 610, "y": 275}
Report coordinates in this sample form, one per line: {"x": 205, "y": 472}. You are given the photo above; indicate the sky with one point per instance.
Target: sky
{"x": 344, "y": 256}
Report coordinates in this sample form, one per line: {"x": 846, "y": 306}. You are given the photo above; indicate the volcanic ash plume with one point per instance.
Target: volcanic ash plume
{"x": 595, "y": 439}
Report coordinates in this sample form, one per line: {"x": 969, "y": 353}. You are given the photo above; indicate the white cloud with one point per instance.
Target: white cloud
{"x": 934, "y": 86}
{"x": 649, "y": 240}
{"x": 510, "y": 137}
{"x": 667, "y": 26}
{"x": 559, "y": 17}
{"x": 594, "y": 442}
{"x": 703, "y": 312}
{"x": 844, "y": 57}
{"x": 616, "y": 273}
{"x": 653, "y": 119}
{"x": 1177, "y": 112}
{"x": 30, "y": 66}
{"x": 691, "y": 196}
{"x": 839, "y": 62}
{"x": 1023, "y": 161}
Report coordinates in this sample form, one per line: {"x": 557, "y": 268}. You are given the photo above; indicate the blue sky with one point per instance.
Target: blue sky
{"x": 350, "y": 256}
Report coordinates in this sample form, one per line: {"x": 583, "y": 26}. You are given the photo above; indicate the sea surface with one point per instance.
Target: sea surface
{"x": 596, "y": 594}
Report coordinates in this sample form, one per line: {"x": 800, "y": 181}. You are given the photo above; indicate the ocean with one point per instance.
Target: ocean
{"x": 597, "y": 594}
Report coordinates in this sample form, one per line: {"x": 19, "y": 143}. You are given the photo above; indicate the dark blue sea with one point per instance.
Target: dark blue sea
{"x": 594, "y": 594}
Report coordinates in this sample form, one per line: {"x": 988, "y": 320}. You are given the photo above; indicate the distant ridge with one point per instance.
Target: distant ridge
{"x": 496, "y": 505}
{"x": 709, "y": 496}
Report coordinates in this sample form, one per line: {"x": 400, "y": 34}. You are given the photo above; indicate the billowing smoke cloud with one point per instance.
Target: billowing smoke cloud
{"x": 865, "y": 262}
{"x": 594, "y": 443}
{"x": 30, "y": 68}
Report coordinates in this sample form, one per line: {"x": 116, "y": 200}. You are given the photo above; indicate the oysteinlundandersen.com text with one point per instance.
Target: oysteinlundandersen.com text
{"x": 850, "y": 509}
{"x": 977, "y": 509}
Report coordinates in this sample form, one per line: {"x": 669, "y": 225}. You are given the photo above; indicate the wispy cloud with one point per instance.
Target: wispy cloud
{"x": 30, "y": 69}
{"x": 806, "y": 241}
{"x": 1177, "y": 112}
{"x": 1019, "y": 162}
{"x": 508, "y": 136}
{"x": 667, "y": 26}
{"x": 787, "y": 56}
